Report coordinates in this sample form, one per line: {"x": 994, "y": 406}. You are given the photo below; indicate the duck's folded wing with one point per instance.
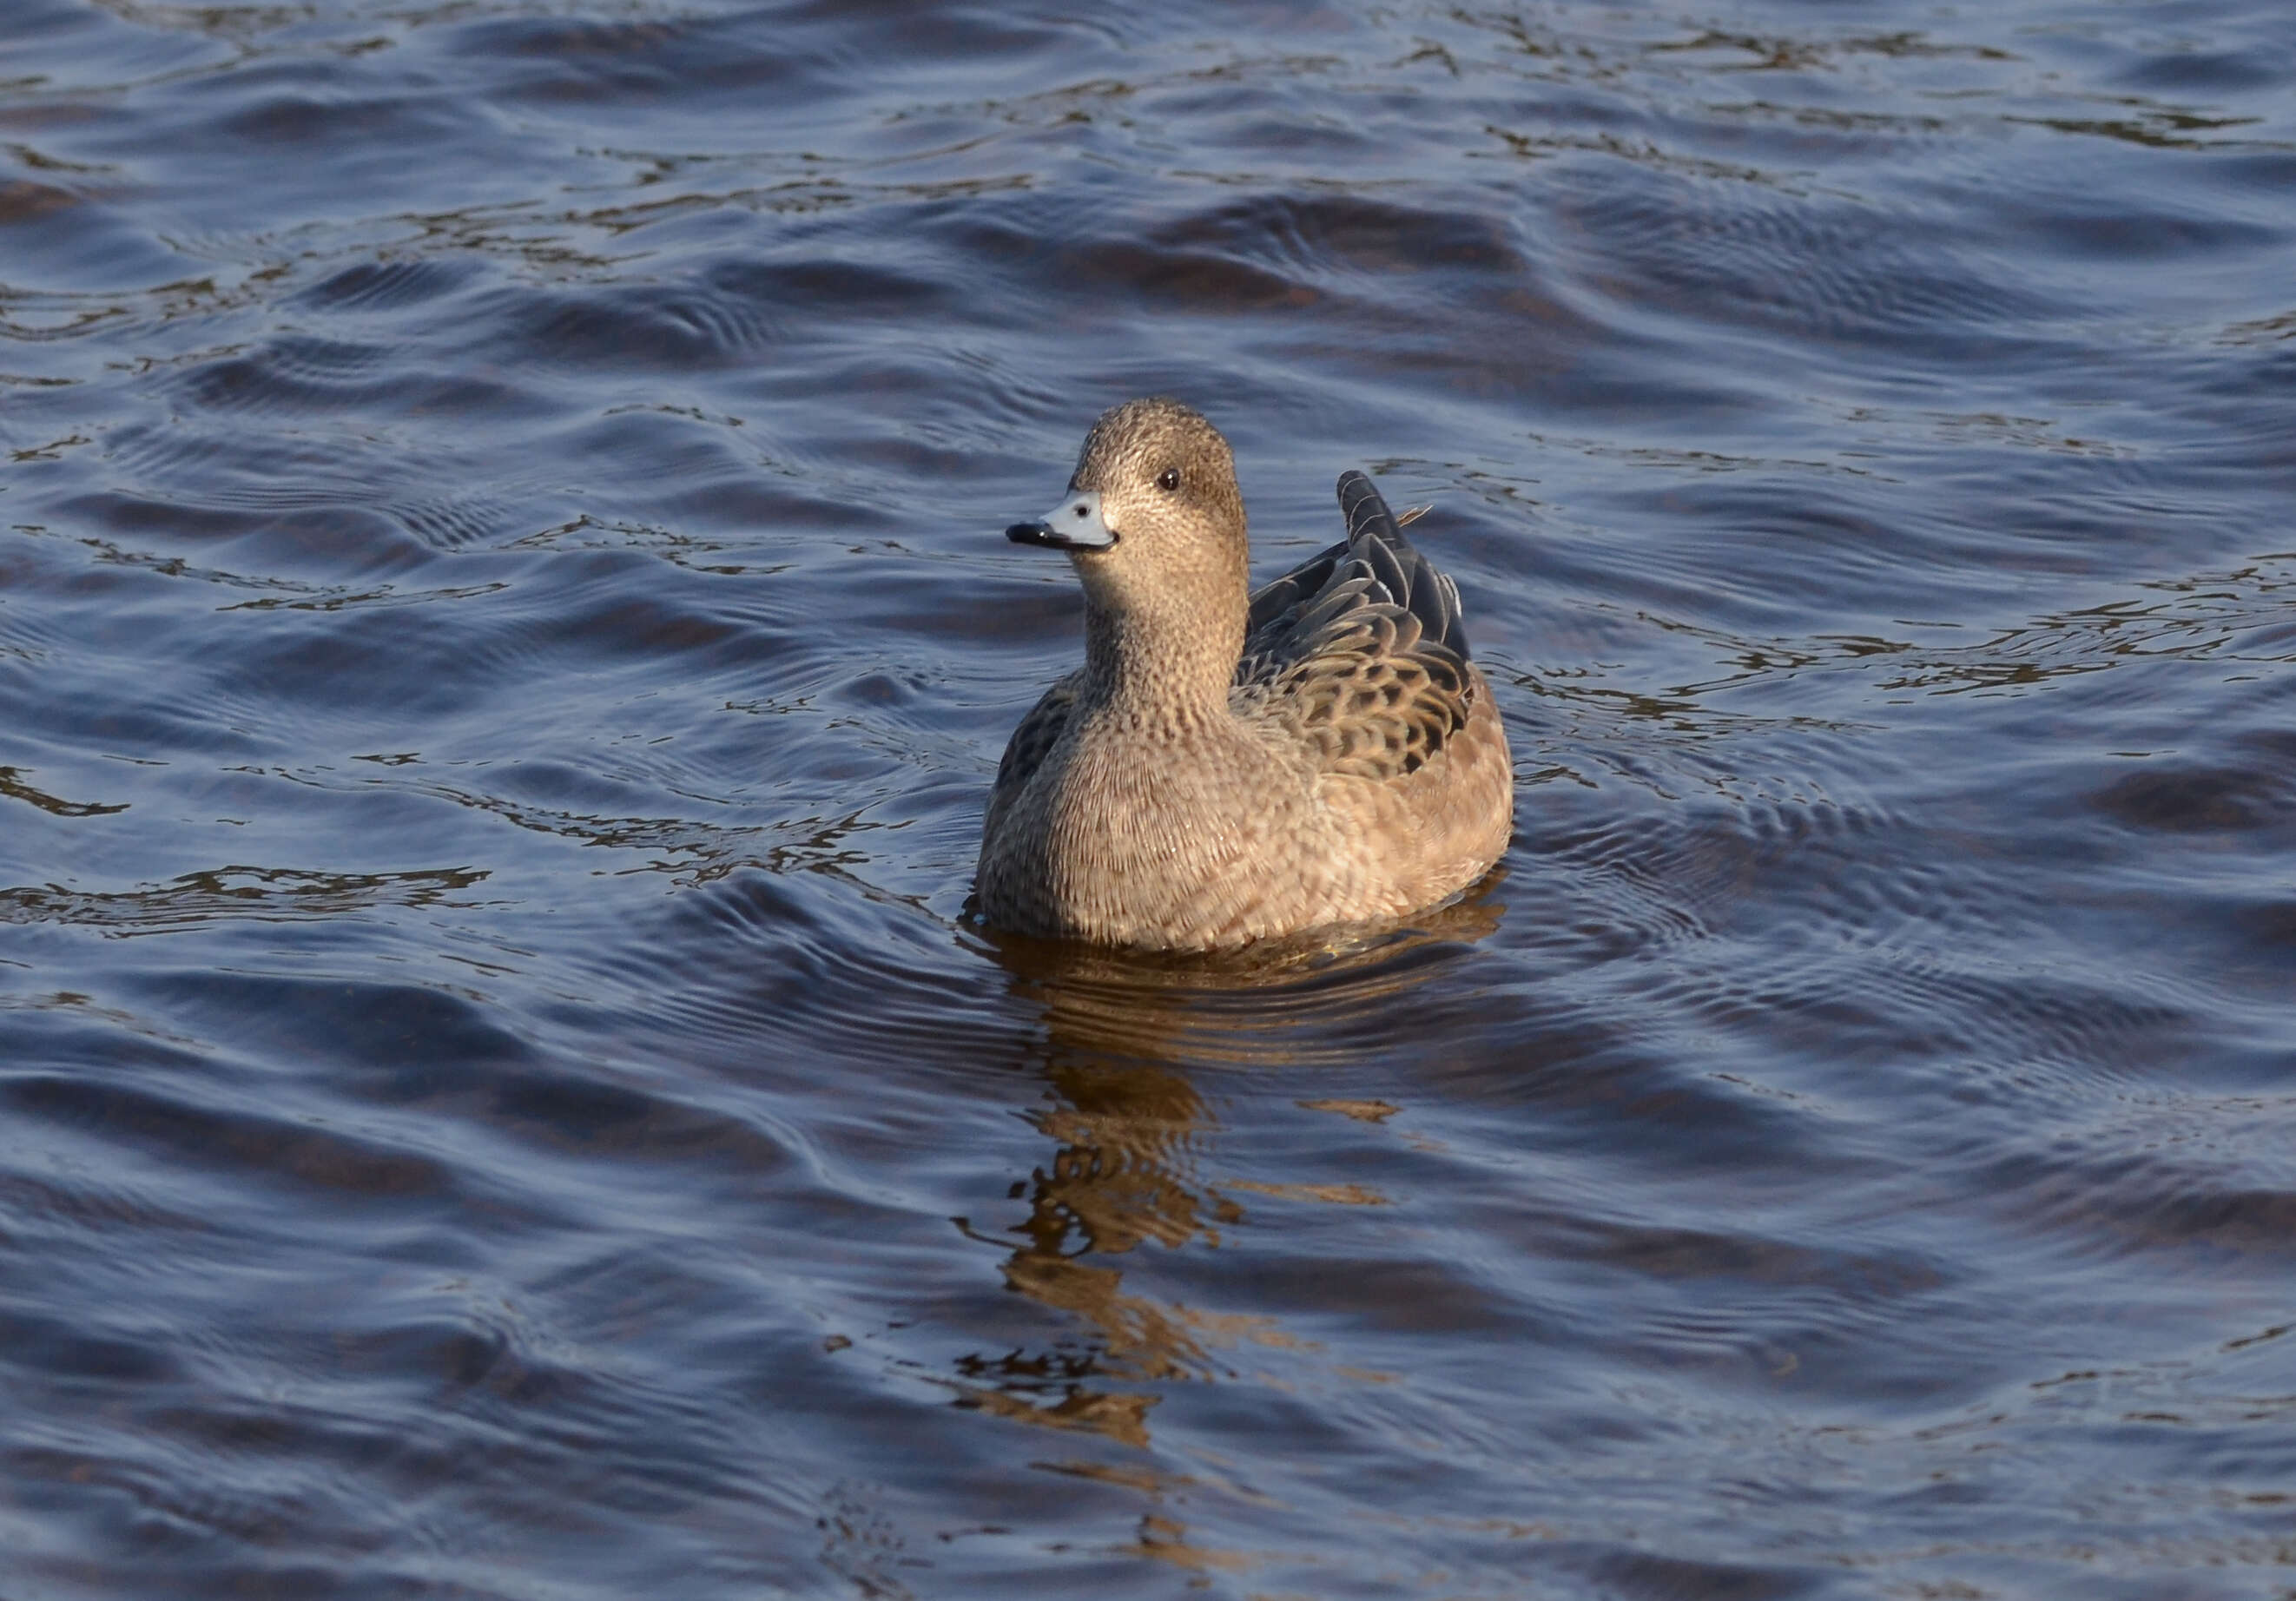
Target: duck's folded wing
{"x": 1031, "y": 742}
{"x": 1359, "y": 650}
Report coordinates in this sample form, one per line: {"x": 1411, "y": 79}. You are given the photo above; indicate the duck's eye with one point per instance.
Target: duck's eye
{"x": 1168, "y": 479}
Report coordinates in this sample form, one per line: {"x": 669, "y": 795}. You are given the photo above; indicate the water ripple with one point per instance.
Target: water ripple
{"x": 503, "y": 635}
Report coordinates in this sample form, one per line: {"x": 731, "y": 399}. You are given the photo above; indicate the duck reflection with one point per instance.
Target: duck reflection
{"x": 1126, "y": 1038}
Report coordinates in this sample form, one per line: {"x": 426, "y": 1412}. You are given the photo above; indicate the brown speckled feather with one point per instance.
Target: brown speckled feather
{"x": 1359, "y": 648}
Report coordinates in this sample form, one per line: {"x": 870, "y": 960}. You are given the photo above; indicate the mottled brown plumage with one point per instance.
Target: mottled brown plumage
{"x": 1227, "y": 766}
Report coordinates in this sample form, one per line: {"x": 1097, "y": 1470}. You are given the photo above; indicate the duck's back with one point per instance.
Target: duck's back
{"x": 1360, "y": 652}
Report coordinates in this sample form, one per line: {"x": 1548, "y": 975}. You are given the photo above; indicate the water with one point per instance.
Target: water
{"x": 504, "y": 638}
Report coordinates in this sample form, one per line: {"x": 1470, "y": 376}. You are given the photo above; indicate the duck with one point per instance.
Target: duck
{"x": 1232, "y": 765}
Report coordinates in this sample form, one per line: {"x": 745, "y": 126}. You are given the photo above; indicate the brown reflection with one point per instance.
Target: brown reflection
{"x": 2234, "y": 615}
{"x": 13, "y": 787}
{"x": 263, "y": 894}
{"x": 2161, "y": 128}
{"x": 1125, "y": 1037}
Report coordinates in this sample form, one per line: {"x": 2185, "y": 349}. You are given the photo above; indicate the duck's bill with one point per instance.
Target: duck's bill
{"x": 1076, "y": 524}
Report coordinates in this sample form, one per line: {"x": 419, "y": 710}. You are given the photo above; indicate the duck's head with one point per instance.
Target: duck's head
{"x": 1153, "y": 519}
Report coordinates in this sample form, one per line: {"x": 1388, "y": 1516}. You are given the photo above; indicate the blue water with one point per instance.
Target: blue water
{"x": 504, "y": 639}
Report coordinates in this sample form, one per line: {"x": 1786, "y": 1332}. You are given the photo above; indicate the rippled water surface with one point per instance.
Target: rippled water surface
{"x": 504, "y": 641}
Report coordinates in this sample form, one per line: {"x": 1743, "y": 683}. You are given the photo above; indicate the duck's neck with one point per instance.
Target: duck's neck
{"x": 1166, "y": 672}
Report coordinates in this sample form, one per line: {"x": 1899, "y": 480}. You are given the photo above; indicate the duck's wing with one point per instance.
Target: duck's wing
{"x": 1030, "y": 743}
{"x": 1359, "y": 650}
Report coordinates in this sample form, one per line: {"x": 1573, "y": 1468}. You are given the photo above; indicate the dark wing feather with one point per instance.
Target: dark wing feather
{"x": 1032, "y": 741}
{"x": 1360, "y": 647}
{"x": 1411, "y": 579}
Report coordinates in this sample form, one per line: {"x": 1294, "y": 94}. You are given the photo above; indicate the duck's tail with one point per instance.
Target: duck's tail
{"x": 1376, "y": 539}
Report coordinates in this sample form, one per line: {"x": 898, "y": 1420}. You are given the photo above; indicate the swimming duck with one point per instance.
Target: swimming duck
{"x": 1229, "y": 766}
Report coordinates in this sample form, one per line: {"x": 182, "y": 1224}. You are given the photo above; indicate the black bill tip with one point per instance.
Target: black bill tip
{"x": 1046, "y": 534}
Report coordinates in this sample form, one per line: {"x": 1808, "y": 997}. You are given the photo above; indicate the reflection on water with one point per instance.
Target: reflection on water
{"x": 504, "y": 641}
{"x": 1127, "y": 1125}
